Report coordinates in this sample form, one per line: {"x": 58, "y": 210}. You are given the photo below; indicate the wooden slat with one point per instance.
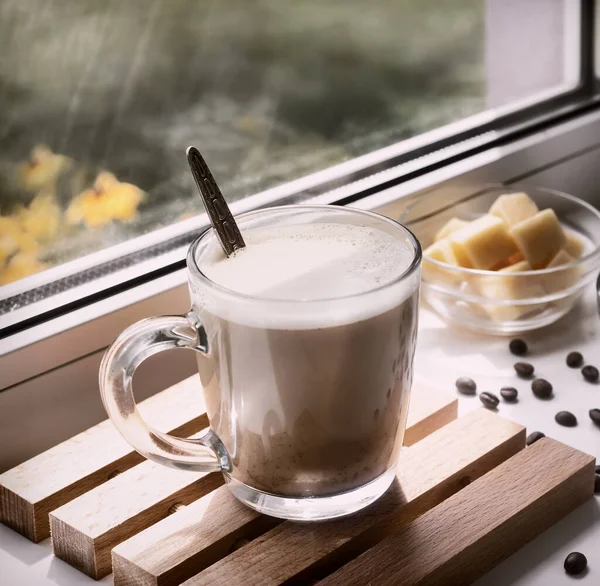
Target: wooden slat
{"x": 31, "y": 490}
{"x": 85, "y": 530}
{"x": 467, "y": 535}
{"x": 429, "y": 471}
{"x": 176, "y": 548}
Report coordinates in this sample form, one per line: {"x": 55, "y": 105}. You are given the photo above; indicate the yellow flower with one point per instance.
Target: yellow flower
{"x": 19, "y": 266}
{"x": 122, "y": 201}
{"x": 108, "y": 200}
{"x": 41, "y": 219}
{"x": 8, "y": 246}
{"x": 42, "y": 169}
{"x": 13, "y": 238}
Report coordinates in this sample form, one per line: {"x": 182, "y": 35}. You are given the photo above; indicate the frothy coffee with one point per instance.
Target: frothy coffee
{"x": 310, "y": 398}
{"x": 310, "y": 262}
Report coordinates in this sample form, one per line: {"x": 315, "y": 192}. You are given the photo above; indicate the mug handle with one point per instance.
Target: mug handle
{"x": 139, "y": 341}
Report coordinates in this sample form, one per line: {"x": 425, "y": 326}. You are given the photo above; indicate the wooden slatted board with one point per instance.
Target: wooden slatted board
{"x": 31, "y": 490}
{"x": 463, "y": 487}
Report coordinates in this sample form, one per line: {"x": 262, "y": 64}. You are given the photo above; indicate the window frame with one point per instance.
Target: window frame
{"x": 162, "y": 252}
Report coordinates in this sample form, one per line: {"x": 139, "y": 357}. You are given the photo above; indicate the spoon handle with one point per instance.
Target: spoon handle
{"x": 220, "y": 215}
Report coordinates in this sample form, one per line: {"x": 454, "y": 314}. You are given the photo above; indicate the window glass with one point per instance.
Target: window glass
{"x": 99, "y": 99}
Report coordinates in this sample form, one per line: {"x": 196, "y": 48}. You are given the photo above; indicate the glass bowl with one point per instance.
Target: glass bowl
{"x": 503, "y": 303}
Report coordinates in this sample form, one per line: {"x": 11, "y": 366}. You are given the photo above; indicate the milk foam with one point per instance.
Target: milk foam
{"x": 325, "y": 264}
{"x": 310, "y": 262}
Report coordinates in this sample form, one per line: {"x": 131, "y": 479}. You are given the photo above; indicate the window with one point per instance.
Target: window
{"x": 98, "y": 101}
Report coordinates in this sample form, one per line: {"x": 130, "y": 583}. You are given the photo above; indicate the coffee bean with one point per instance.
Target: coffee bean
{"x": 489, "y": 400}
{"x": 575, "y": 563}
{"x": 590, "y": 373}
{"x": 597, "y": 484}
{"x": 534, "y": 437}
{"x": 574, "y": 359}
{"x": 595, "y": 416}
{"x": 509, "y": 393}
{"x": 518, "y": 347}
{"x": 565, "y": 418}
{"x": 541, "y": 388}
{"x": 466, "y": 385}
{"x": 524, "y": 369}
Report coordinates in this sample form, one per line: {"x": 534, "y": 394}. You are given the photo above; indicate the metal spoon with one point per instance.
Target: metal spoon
{"x": 218, "y": 211}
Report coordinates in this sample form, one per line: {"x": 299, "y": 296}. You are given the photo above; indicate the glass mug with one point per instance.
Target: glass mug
{"x": 307, "y": 399}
